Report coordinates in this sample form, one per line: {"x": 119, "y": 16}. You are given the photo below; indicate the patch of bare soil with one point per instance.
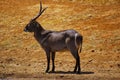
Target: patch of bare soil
{"x": 21, "y": 57}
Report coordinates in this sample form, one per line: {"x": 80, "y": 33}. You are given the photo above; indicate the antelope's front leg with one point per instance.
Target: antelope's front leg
{"x": 53, "y": 58}
{"x": 48, "y": 61}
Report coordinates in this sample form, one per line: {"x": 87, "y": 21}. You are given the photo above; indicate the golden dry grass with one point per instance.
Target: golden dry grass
{"x": 22, "y": 57}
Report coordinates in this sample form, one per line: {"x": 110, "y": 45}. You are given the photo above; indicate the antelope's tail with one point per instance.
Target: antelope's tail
{"x": 79, "y": 42}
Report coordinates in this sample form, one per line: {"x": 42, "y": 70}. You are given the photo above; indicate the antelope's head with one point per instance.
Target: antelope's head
{"x": 33, "y": 24}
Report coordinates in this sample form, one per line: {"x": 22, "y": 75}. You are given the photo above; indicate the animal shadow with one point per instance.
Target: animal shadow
{"x": 70, "y": 72}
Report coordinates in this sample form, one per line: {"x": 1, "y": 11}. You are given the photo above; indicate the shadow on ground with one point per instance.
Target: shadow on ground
{"x": 70, "y": 72}
{"x": 34, "y": 75}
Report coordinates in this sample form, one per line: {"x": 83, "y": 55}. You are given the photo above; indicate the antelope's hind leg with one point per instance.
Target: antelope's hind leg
{"x": 74, "y": 51}
{"x": 77, "y": 58}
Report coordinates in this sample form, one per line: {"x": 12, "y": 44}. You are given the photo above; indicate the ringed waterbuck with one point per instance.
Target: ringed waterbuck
{"x": 53, "y": 41}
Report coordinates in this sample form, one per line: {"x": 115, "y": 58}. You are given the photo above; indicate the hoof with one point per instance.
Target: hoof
{"x": 53, "y": 71}
{"x": 75, "y": 71}
{"x": 46, "y": 71}
{"x": 78, "y": 72}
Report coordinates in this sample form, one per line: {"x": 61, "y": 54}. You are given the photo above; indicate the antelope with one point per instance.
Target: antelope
{"x": 53, "y": 41}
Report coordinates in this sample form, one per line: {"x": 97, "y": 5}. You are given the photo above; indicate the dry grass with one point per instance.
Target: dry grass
{"x": 22, "y": 57}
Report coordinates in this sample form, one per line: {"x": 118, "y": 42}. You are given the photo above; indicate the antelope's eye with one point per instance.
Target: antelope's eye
{"x": 28, "y": 24}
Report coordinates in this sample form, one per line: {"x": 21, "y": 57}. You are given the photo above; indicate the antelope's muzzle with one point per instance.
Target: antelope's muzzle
{"x": 25, "y": 30}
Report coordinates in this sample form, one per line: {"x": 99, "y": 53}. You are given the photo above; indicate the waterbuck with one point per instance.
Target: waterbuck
{"x": 52, "y": 41}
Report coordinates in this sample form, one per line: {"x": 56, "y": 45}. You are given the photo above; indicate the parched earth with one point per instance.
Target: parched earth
{"x": 22, "y": 58}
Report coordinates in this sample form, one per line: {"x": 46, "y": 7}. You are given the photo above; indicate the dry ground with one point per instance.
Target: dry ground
{"x": 22, "y": 58}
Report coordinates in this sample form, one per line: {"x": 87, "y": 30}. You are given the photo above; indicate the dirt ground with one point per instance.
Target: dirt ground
{"x": 22, "y": 58}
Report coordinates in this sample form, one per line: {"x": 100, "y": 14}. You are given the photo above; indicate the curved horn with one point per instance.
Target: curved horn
{"x": 40, "y": 12}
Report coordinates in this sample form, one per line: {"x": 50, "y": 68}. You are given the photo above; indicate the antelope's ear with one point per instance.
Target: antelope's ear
{"x": 37, "y": 25}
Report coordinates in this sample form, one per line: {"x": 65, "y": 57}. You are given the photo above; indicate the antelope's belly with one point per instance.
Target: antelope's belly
{"x": 58, "y": 46}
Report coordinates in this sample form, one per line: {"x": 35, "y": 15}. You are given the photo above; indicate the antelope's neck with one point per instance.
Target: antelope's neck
{"x": 38, "y": 35}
